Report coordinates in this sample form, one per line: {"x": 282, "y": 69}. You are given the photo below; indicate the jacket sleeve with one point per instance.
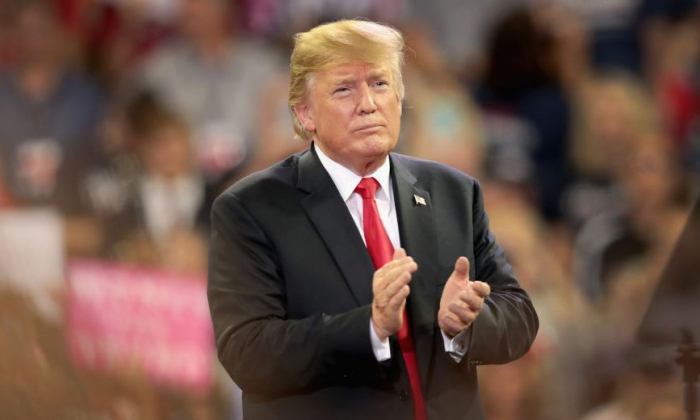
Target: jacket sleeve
{"x": 506, "y": 327}
{"x": 263, "y": 350}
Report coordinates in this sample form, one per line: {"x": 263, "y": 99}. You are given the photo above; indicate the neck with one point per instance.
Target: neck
{"x": 363, "y": 168}
{"x": 370, "y": 167}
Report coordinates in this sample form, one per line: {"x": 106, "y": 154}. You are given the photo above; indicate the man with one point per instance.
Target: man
{"x": 220, "y": 84}
{"x": 339, "y": 278}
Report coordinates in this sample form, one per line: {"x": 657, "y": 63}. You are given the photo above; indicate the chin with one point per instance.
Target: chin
{"x": 378, "y": 145}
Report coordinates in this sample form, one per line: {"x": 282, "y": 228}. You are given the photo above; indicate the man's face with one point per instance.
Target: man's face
{"x": 200, "y": 19}
{"x": 354, "y": 114}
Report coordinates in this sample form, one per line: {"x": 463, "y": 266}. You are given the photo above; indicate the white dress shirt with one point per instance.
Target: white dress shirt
{"x": 169, "y": 204}
{"x": 346, "y": 181}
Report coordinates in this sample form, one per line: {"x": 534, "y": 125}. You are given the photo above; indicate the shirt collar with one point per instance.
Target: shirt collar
{"x": 346, "y": 180}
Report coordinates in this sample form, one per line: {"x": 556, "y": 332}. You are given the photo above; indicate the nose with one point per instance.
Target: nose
{"x": 365, "y": 103}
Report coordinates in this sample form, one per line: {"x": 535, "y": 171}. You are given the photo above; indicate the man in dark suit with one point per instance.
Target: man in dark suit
{"x": 339, "y": 280}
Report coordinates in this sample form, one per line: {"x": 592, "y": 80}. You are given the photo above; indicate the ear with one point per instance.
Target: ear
{"x": 399, "y": 102}
{"x": 305, "y": 116}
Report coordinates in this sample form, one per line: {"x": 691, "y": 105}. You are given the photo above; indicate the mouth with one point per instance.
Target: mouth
{"x": 369, "y": 127}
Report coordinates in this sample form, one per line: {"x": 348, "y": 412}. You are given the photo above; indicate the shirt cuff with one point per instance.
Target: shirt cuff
{"x": 457, "y": 346}
{"x": 382, "y": 349}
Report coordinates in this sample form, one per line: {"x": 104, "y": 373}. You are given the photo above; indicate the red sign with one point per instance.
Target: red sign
{"x": 123, "y": 317}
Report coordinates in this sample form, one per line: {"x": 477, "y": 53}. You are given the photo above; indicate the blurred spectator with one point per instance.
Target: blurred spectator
{"x": 441, "y": 122}
{"x": 614, "y": 27}
{"x": 630, "y": 35}
{"x": 280, "y": 19}
{"x": 648, "y": 389}
{"x": 630, "y": 284}
{"x": 657, "y": 212}
{"x": 121, "y": 33}
{"x": 49, "y": 114}
{"x": 657, "y": 21}
{"x": 571, "y": 41}
{"x": 674, "y": 78}
{"x": 522, "y": 84}
{"x": 275, "y": 140}
{"x": 630, "y": 203}
{"x": 161, "y": 219}
{"x": 216, "y": 82}
{"x": 614, "y": 112}
{"x": 673, "y": 36}
{"x": 462, "y": 27}
{"x": 544, "y": 376}
{"x": 651, "y": 198}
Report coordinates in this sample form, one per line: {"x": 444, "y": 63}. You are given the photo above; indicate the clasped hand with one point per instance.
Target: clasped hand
{"x": 460, "y": 304}
{"x": 462, "y": 300}
{"x": 390, "y": 290}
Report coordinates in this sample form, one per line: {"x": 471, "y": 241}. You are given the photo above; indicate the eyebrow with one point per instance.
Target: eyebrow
{"x": 374, "y": 74}
{"x": 343, "y": 81}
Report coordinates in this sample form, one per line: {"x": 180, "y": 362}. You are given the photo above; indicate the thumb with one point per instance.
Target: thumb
{"x": 399, "y": 253}
{"x": 462, "y": 268}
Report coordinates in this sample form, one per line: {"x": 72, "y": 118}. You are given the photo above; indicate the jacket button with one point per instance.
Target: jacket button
{"x": 403, "y": 395}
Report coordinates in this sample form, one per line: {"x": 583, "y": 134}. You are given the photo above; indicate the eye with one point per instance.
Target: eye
{"x": 341, "y": 89}
{"x": 381, "y": 83}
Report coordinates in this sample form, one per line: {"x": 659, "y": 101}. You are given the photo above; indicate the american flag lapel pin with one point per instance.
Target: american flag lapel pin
{"x": 420, "y": 201}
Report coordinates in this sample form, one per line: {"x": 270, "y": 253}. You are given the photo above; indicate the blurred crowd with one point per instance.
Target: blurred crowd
{"x": 581, "y": 118}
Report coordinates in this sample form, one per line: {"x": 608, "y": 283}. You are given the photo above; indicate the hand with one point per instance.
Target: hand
{"x": 462, "y": 300}
{"x": 390, "y": 289}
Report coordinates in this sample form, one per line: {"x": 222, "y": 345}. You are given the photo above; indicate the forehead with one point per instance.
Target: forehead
{"x": 350, "y": 71}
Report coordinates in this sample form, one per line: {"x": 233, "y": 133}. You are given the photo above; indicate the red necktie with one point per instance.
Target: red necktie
{"x": 382, "y": 251}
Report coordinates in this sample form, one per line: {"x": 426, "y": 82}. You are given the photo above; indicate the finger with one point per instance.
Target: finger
{"x": 397, "y": 301}
{"x": 480, "y": 288}
{"x": 451, "y": 324}
{"x": 390, "y": 274}
{"x": 462, "y": 268}
{"x": 399, "y": 253}
{"x": 471, "y": 299}
{"x": 396, "y": 263}
{"x": 463, "y": 312}
{"x": 395, "y": 286}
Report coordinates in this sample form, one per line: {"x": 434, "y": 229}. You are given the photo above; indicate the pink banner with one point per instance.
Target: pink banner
{"x": 123, "y": 317}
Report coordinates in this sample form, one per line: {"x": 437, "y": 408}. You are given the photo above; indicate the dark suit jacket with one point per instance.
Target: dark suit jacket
{"x": 290, "y": 292}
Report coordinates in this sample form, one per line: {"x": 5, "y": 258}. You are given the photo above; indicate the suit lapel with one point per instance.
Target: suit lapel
{"x": 332, "y": 220}
{"x": 417, "y": 230}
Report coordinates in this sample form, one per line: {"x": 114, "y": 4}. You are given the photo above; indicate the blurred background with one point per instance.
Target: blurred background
{"x": 121, "y": 121}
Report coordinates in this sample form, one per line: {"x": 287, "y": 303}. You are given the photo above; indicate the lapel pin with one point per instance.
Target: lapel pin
{"x": 420, "y": 201}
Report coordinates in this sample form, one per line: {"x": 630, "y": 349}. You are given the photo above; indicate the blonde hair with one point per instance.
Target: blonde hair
{"x": 338, "y": 43}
